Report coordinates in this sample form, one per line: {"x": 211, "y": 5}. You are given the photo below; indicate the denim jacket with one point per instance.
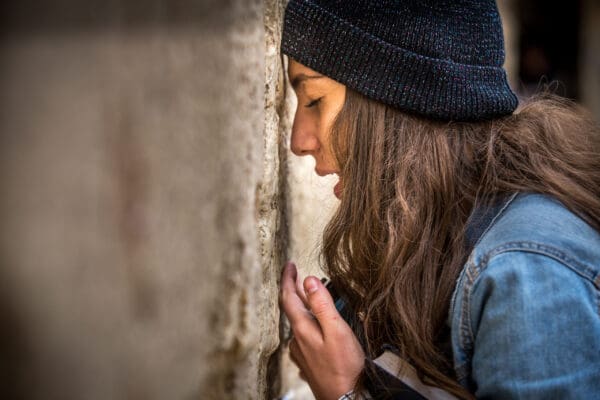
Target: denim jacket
{"x": 525, "y": 314}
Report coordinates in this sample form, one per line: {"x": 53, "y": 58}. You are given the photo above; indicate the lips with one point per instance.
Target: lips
{"x": 338, "y": 188}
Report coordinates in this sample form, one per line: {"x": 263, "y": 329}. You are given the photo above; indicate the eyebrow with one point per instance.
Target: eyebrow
{"x": 298, "y": 79}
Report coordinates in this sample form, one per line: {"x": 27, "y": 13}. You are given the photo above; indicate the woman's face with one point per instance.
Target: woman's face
{"x": 319, "y": 101}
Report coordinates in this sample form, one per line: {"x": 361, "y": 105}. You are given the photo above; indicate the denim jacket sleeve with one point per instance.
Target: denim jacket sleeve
{"x": 525, "y": 317}
{"x": 536, "y": 330}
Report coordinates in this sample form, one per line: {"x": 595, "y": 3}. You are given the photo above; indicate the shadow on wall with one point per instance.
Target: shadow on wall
{"x": 64, "y": 16}
{"x": 14, "y": 349}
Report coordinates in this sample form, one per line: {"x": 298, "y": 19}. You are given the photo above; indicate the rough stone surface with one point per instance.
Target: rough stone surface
{"x": 143, "y": 220}
{"x": 274, "y": 208}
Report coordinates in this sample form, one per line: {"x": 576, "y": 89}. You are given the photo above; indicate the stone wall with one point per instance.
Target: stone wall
{"x": 142, "y": 202}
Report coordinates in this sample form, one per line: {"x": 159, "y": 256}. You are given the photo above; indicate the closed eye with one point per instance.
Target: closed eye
{"x": 313, "y": 103}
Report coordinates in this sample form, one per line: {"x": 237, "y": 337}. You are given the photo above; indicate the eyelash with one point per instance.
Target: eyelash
{"x": 313, "y": 103}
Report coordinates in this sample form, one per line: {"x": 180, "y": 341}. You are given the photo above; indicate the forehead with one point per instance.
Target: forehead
{"x": 299, "y": 73}
{"x": 295, "y": 68}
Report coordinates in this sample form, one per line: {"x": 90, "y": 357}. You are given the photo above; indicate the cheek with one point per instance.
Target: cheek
{"x": 326, "y": 121}
{"x": 332, "y": 108}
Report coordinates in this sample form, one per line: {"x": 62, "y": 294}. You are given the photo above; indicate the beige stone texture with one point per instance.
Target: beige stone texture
{"x": 142, "y": 199}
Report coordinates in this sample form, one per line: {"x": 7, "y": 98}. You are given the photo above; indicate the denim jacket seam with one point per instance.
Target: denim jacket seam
{"x": 473, "y": 273}
{"x": 578, "y": 267}
{"x": 466, "y": 336}
{"x": 495, "y": 218}
{"x": 470, "y": 272}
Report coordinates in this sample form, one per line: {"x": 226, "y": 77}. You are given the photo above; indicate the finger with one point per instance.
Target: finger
{"x": 321, "y": 304}
{"x": 296, "y": 354}
{"x": 292, "y": 351}
{"x": 301, "y": 292}
{"x": 292, "y": 304}
{"x": 294, "y": 358}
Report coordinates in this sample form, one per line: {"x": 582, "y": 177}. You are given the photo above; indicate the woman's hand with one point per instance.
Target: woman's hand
{"x": 323, "y": 346}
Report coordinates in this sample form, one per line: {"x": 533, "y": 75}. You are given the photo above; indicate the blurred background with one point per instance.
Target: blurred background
{"x": 555, "y": 43}
{"x": 149, "y": 198}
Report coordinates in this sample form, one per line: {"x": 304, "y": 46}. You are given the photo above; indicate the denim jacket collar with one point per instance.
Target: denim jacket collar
{"x": 483, "y": 217}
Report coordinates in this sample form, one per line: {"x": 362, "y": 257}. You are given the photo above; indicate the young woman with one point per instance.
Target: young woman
{"x": 465, "y": 252}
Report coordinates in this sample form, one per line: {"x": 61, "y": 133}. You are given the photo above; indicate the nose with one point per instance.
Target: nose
{"x": 304, "y": 137}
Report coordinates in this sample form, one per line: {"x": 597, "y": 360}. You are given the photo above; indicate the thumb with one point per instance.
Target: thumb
{"x": 321, "y": 303}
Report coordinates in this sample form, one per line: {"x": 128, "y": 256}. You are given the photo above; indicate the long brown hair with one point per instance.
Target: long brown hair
{"x": 397, "y": 241}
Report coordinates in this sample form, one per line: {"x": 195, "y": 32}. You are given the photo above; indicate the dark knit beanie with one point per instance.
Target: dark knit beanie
{"x": 438, "y": 58}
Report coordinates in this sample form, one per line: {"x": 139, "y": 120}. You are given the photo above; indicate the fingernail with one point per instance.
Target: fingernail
{"x": 311, "y": 285}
